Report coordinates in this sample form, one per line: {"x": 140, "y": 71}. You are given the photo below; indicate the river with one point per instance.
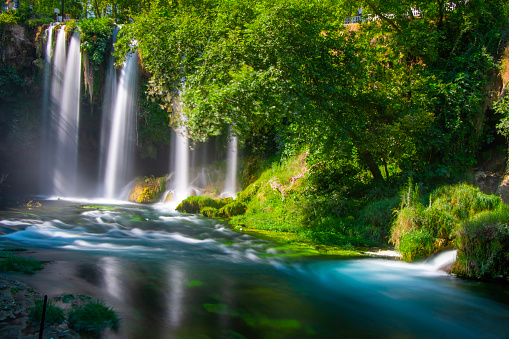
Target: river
{"x": 172, "y": 275}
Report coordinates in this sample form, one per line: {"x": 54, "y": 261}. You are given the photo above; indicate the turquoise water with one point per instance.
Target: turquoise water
{"x": 171, "y": 275}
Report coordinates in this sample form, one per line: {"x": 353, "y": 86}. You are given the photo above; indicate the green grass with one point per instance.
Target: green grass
{"x": 483, "y": 245}
{"x": 20, "y": 264}
{"x": 93, "y": 318}
{"x": 54, "y": 315}
{"x": 462, "y": 216}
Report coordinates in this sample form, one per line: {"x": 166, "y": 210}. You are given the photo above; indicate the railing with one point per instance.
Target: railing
{"x": 368, "y": 18}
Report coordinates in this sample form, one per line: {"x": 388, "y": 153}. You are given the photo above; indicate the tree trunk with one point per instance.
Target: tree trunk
{"x": 367, "y": 157}
{"x": 96, "y": 7}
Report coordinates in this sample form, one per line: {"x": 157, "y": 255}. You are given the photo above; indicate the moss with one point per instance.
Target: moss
{"x": 459, "y": 215}
{"x": 232, "y": 209}
{"x": 194, "y": 204}
{"x": 210, "y": 212}
{"x": 148, "y": 190}
{"x": 483, "y": 245}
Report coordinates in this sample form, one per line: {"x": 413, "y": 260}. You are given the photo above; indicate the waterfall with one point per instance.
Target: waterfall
{"x": 122, "y": 133}
{"x": 45, "y": 124}
{"x": 230, "y": 187}
{"x": 66, "y": 160}
{"x": 181, "y": 161}
{"x": 108, "y": 107}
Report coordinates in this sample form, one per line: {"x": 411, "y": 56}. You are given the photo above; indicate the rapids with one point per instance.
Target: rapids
{"x": 172, "y": 275}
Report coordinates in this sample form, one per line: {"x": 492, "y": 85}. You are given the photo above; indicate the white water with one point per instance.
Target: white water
{"x": 122, "y": 134}
{"x": 230, "y": 188}
{"x": 45, "y": 137}
{"x": 67, "y": 121}
{"x": 181, "y": 171}
{"x": 108, "y": 107}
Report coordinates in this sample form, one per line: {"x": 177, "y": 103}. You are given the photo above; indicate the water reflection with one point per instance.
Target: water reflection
{"x": 111, "y": 269}
{"x": 176, "y": 294}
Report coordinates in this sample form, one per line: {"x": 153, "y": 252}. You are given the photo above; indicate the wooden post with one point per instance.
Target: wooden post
{"x": 43, "y": 318}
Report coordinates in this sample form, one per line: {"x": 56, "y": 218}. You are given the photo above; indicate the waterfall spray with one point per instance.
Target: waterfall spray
{"x": 230, "y": 187}
{"x": 108, "y": 107}
{"x": 181, "y": 165}
{"x": 45, "y": 125}
{"x": 64, "y": 176}
{"x": 122, "y": 133}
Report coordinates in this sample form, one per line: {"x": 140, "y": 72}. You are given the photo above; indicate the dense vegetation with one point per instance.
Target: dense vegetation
{"x": 368, "y": 106}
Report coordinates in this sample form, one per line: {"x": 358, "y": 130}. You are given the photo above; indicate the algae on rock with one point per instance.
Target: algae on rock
{"x": 148, "y": 189}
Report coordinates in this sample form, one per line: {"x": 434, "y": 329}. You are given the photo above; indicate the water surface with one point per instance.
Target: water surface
{"x": 172, "y": 275}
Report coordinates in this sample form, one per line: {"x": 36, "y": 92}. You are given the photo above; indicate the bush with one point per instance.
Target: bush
{"x": 483, "y": 246}
{"x": 20, "y": 264}
{"x": 96, "y": 35}
{"x": 415, "y": 244}
{"x": 441, "y": 221}
{"x": 54, "y": 315}
{"x": 194, "y": 204}
{"x": 93, "y": 318}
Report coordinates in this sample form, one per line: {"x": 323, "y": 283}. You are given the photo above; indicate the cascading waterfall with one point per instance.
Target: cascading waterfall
{"x": 45, "y": 136}
{"x": 230, "y": 187}
{"x": 181, "y": 161}
{"x": 61, "y": 109}
{"x": 122, "y": 133}
{"x": 67, "y": 121}
{"x": 108, "y": 107}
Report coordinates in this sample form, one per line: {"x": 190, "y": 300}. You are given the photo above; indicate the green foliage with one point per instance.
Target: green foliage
{"x": 210, "y": 212}
{"x": 13, "y": 263}
{"x": 10, "y": 84}
{"x": 416, "y": 243}
{"x": 96, "y": 34}
{"x": 419, "y": 231}
{"x": 232, "y": 209}
{"x": 195, "y": 204}
{"x": 93, "y": 318}
{"x": 54, "y": 314}
{"x": 501, "y": 106}
{"x": 484, "y": 245}
{"x": 153, "y": 124}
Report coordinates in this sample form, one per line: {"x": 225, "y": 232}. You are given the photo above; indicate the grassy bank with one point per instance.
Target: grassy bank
{"x": 298, "y": 206}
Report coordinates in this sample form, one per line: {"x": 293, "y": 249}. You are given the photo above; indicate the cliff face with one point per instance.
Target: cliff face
{"x": 18, "y": 48}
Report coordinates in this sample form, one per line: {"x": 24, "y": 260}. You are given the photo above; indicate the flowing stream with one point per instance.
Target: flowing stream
{"x": 172, "y": 275}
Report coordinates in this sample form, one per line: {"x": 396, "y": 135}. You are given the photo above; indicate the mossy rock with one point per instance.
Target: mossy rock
{"x": 194, "y": 204}
{"x": 210, "y": 212}
{"x": 148, "y": 190}
{"x": 232, "y": 209}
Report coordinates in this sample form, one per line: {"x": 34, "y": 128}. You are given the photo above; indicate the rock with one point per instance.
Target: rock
{"x": 503, "y": 189}
{"x": 169, "y": 197}
{"x": 18, "y": 49}
{"x": 147, "y": 190}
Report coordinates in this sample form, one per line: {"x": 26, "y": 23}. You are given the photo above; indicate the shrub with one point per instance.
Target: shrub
{"x": 20, "y": 264}
{"x": 483, "y": 246}
{"x": 415, "y": 244}
{"x": 93, "y": 318}
{"x": 96, "y": 34}
{"x": 441, "y": 221}
{"x": 194, "y": 204}
{"x": 54, "y": 315}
